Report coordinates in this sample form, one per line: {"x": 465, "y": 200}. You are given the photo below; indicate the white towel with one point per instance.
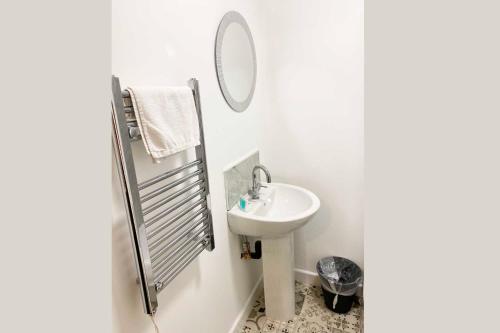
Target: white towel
{"x": 167, "y": 119}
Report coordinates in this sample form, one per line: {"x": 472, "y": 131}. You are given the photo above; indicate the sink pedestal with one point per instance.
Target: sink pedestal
{"x": 279, "y": 279}
{"x": 281, "y": 210}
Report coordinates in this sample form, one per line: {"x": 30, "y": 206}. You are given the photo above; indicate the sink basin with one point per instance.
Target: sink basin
{"x": 281, "y": 209}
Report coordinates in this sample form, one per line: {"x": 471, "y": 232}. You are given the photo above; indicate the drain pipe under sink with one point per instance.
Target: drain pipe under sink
{"x": 246, "y": 252}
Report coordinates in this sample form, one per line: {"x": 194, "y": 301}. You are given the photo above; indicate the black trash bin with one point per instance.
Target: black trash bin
{"x": 340, "y": 279}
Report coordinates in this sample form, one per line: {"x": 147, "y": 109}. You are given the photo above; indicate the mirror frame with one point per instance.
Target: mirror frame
{"x": 227, "y": 19}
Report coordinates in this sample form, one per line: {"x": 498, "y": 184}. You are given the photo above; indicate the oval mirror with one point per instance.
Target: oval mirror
{"x": 235, "y": 61}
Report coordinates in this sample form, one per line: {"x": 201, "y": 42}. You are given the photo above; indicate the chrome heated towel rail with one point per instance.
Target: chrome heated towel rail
{"x": 169, "y": 215}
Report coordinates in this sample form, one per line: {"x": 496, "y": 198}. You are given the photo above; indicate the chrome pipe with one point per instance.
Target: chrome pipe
{"x": 181, "y": 225}
{"x": 170, "y": 186}
{"x": 157, "y": 256}
{"x": 167, "y": 211}
{"x": 186, "y": 210}
{"x": 168, "y": 174}
{"x": 161, "y": 273}
{"x": 160, "y": 264}
{"x": 168, "y": 271}
{"x": 128, "y": 180}
{"x": 192, "y": 226}
{"x": 164, "y": 201}
{"x": 201, "y": 154}
{"x": 161, "y": 284}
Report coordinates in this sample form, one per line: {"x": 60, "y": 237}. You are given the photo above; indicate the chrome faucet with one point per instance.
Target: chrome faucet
{"x": 256, "y": 185}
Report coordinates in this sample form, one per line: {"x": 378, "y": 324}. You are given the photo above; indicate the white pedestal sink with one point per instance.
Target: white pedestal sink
{"x": 273, "y": 217}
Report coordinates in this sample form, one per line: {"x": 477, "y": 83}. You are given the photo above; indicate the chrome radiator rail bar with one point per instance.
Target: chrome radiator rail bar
{"x": 176, "y": 194}
{"x": 160, "y": 285}
{"x": 156, "y": 257}
{"x": 167, "y": 174}
{"x": 170, "y": 186}
{"x": 157, "y": 230}
{"x": 181, "y": 225}
{"x": 166, "y": 271}
{"x": 171, "y": 209}
{"x": 180, "y": 249}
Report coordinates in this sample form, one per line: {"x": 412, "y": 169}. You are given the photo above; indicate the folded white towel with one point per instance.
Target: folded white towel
{"x": 167, "y": 119}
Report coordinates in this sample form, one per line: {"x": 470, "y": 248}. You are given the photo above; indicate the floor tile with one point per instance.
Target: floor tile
{"x": 311, "y": 316}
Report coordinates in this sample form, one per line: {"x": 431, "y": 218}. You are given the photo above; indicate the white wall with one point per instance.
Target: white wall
{"x": 312, "y": 128}
{"x": 168, "y": 42}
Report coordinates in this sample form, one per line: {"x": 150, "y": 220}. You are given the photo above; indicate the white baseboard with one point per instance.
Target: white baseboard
{"x": 307, "y": 277}
{"x": 247, "y": 307}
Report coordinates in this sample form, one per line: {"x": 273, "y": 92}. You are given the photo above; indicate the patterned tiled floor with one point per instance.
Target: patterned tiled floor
{"x": 311, "y": 316}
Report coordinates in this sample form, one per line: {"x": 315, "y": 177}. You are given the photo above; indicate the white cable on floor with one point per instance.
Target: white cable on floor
{"x": 157, "y": 330}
